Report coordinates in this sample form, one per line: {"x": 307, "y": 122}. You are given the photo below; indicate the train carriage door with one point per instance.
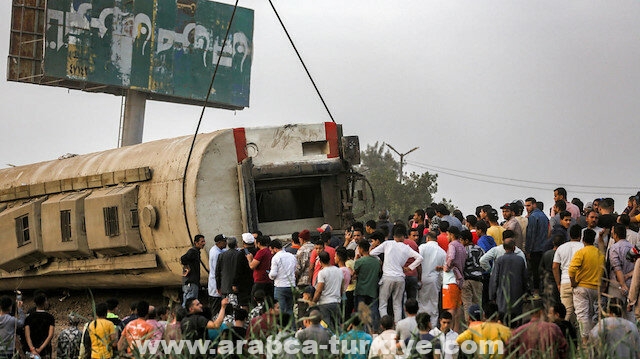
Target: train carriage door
{"x": 248, "y": 203}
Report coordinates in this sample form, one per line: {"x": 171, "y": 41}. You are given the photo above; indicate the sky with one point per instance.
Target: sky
{"x": 505, "y": 99}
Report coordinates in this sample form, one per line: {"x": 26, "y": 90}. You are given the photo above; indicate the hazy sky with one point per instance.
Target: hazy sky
{"x": 534, "y": 94}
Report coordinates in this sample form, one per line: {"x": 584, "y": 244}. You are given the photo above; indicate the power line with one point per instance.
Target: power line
{"x": 506, "y": 184}
{"x": 326, "y": 107}
{"x": 418, "y": 164}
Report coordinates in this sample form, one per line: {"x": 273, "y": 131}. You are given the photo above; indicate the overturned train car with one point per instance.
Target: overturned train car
{"x": 123, "y": 217}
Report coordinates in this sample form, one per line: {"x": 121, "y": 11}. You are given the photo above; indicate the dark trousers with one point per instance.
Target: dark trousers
{"x": 348, "y": 304}
{"x": 411, "y": 287}
{"x": 215, "y": 303}
{"x": 534, "y": 265}
{"x": 372, "y": 303}
{"x": 485, "y": 288}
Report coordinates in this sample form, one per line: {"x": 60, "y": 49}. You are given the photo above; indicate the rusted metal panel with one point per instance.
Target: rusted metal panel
{"x": 26, "y": 40}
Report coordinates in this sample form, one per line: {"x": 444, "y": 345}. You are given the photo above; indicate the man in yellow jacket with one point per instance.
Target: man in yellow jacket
{"x": 585, "y": 272}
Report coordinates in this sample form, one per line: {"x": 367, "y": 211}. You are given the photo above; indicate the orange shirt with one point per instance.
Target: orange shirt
{"x": 443, "y": 241}
{"x": 137, "y": 329}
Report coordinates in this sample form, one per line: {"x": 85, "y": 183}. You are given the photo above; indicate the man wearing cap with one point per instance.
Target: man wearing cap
{"x": 334, "y": 242}
{"x": 249, "y": 243}
{"x": 282, "y": 272}
{"x": 233, "y": 275}
{"x": 508, "y": 212}
{"x": 475, "y": 315}
{"x": 214, "y": 295}
{"x": 191, "y": 269}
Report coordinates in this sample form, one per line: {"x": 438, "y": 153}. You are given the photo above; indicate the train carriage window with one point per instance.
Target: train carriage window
{"x": 135, "y": 221}
{"x": 288, "y": 201}
{"x": 111, "y": 225}
{"x": 22, "y": 230}
{"x": 65, "y": 225}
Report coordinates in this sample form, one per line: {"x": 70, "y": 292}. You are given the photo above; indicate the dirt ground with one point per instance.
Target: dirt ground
{"x": 64, "y": 302}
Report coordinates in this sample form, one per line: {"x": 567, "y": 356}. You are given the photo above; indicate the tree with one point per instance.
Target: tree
{"x": 401, "y": 199}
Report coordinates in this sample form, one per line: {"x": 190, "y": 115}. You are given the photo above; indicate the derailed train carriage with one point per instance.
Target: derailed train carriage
{"x": 123, "y": 217}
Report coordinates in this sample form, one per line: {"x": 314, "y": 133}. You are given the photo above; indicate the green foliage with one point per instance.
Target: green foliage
{"x": 401, "y": 199}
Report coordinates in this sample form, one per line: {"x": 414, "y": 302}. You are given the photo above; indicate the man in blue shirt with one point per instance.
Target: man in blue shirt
{"x": 537, "y": 230}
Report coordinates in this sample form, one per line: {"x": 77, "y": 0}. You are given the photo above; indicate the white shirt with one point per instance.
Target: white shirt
{"x": 395, "y": 256}
{"x": 283, "y": 269}
{"x": 214, "y": 252}
{"x": 448, "y": 344}
{"x": 432, "y": 256}
{"x": 595, "y": 229}
{"x": 563, "y": 255}
{"x": 632, "y": 237}
{"x": 496, "y": 252}
{"x": 332, "y": 278}
{"x": 406, "y": 327}
{"x": 384, "y": 345}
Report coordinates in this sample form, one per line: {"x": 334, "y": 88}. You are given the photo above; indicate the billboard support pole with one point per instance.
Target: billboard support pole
{"x": 133, "y": 122}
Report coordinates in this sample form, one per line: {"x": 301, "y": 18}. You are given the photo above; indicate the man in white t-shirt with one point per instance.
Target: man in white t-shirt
{"x": 392, "y": 282}
{"x": 561, "y": 261}
{"x": 329, "y": 289}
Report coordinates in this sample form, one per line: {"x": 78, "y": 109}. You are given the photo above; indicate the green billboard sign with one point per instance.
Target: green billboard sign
{"x": 166, "y": 48}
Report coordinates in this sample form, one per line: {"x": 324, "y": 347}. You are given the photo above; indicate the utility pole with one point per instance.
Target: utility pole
{"x": 401, "y": 158}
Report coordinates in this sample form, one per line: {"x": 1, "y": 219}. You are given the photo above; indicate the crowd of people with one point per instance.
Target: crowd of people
{"x": 569, "y": 268}
{"x": 543, "y": 285}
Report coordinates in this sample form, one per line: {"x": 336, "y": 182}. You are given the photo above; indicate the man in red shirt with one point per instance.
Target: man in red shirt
{"x": 443, "y": 237}
{"x": 260, "y": 264}
{"x": 314, "y": 263}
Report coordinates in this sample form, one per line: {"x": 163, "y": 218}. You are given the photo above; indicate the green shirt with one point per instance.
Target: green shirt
{"x": 368, "y": 270}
